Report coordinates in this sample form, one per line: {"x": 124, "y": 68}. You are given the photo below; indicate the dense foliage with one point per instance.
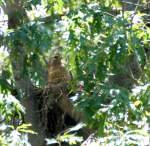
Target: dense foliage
{"x": 103, "y": 45}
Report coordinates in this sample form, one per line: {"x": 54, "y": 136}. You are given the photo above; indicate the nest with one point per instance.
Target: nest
{"x": 53, "y": 118}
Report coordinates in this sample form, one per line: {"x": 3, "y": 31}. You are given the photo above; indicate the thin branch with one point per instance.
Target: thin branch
{"x": 146, "y": 41}
{"x": 2, "y": 21}
{"x": 123, "y": 16}
{"x": 136, "y": 8}
{"x": 50, "y": 18}
{"x": 109, "y": 14}
{"x": 130, "y": 3}
{"x": 2, "y": 121}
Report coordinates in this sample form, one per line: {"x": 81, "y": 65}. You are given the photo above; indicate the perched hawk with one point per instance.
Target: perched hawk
{"x": 57, "y": 73}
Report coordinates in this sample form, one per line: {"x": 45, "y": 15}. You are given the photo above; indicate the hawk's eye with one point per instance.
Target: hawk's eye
{"x": 56, "y": 57}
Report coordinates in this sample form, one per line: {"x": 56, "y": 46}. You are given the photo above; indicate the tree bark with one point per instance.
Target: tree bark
{"x": 16, "y": 16}
{"x": 29, "y": 101}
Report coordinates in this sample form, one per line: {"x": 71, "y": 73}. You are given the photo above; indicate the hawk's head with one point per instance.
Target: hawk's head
{"x": 55, "y": 59}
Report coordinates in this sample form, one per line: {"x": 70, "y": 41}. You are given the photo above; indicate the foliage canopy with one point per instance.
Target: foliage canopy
{"x": 103, "y": 45}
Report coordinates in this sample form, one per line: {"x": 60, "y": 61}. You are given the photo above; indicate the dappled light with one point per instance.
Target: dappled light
{"x": 74, "y": 73}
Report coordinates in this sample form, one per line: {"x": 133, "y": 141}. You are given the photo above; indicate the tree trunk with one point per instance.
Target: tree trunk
{"x": 16, "y": 16}
{"x": 29, "y": 101}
